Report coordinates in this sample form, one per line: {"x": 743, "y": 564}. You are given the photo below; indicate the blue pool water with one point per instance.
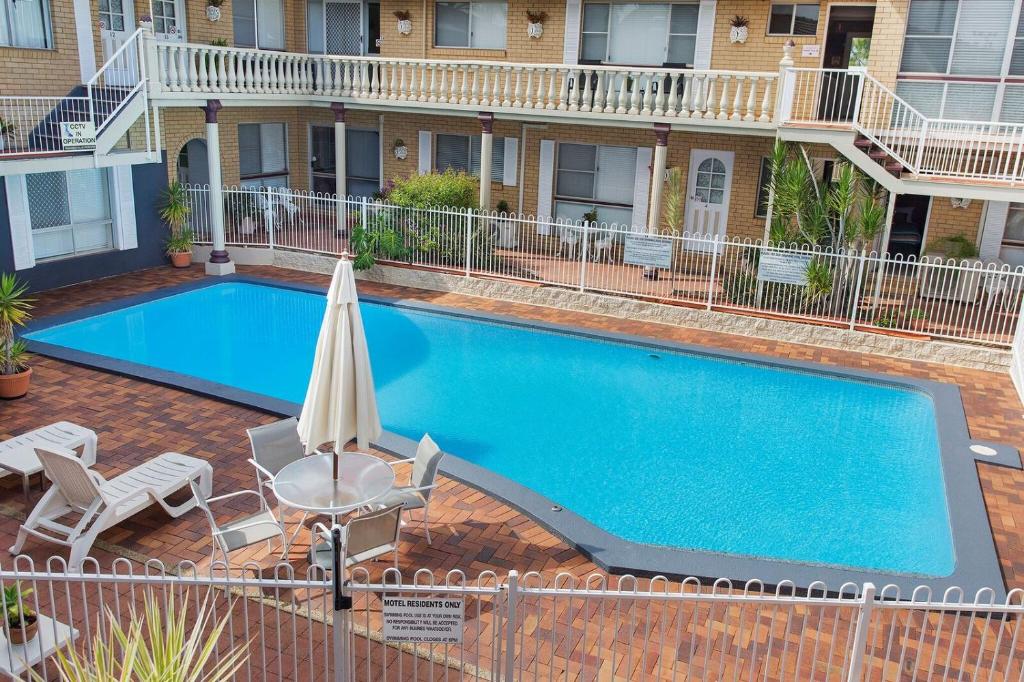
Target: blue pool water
{"x": 658, "y": 447}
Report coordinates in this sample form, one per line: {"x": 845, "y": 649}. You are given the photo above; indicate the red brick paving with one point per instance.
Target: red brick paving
{"x": 472, "y": 532}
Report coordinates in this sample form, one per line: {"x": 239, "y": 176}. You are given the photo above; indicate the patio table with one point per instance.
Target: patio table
{"x": 308, "y": 484}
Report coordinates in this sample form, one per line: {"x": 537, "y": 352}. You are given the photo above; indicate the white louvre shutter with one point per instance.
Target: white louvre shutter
{"x": 642, "y": 186}
{"x": 424, "y": 153}
{"x": 125, "y": 232}
{"x": 571, "y": 49}
{"x": 545, "y": 185}
{"x": 981, "y": 37}
{"x": 705, "y": 35}
{"x": 510, "y": 171}
{"x": 272, "y": 148}
{"x": 21, "y": 227}
{"x": 993, "y": 224}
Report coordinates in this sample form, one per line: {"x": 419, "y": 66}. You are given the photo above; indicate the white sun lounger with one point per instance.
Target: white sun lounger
{"x": 103, "y": 504}
{"x": 56, "y": 435}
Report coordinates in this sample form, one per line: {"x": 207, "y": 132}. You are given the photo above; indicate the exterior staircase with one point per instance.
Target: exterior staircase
{"x": 879, "y": 156}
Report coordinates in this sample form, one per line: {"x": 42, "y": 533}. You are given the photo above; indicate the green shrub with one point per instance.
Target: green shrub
{"x": 436, "y": 190}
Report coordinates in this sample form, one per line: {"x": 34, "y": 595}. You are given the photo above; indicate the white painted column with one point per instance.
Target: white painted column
{"x": 340, "y": 179}
{"x": 84, "y": 38}
{"x": 661, "y": 131}
{"x": 786, "y": 88}
{"x": 486, "y": 150}
{"x": 219, "y": 263}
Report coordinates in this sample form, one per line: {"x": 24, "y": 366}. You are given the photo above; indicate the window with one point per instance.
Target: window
{"x": 69, "y": 212}
{"x": 362, "y": 161}
{"x": 165, "y": 17}
{"x": 462, "y": 153}
{"x": 639, "y": 34}
{"x": 597, "y": 177}
{"x": 793, "y": 19}
{"x": 1017, "y": 60}
{"x": 763, "y": 188}
{"x": 1014, "y": 233}
{"x": 259, "y": 23}
{"x": 25, "y": 24}
{"x": 262, "y": 155}
{"x": 480, "y": 24}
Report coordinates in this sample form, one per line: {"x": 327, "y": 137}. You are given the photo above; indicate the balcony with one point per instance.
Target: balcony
{"x": 599, "y": 94}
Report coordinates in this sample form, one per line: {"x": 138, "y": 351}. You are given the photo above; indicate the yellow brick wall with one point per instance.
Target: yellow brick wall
{"x": 762, "y": 52}
{"x": 518, "y": 46}
{"x": 945, "y": 220}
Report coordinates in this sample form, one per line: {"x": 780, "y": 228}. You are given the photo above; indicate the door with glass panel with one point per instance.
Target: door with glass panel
{"x": 336, "y": 26}
{"x": 362, "y": 161}
{"x": 707, "y": 201}
{"x": 169, "y": 20}
{"x": 117, "y": 23}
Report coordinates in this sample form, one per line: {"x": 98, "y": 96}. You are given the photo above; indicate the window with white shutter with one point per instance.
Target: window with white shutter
{"x": 262, "y": 155}
{"x": 595, "y": 178}
{"x": 462, "y": 153}
{"x": 70, "y": 212}
{"x": 639, "y": 33}
{"x": 26, "y": 24}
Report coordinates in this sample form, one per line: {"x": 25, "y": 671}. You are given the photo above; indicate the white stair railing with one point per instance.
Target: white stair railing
{"x": 121, "y": 79}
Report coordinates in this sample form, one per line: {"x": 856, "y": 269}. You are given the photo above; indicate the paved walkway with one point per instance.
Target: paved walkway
{"x": 471, "y": 531}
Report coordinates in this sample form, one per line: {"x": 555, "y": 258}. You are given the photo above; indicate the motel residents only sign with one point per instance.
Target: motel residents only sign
{"x": 783, "y": 267}
{"x": 649, "y": 251}
{"x": 423, "y": 621}
{"x": 77, "y": 135}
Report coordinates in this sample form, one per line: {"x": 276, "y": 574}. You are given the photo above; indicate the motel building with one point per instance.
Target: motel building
{"x": 586, "y": 109}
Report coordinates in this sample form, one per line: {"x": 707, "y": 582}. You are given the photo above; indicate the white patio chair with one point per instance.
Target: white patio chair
{"x": 274, "y": 446}
{"x": 367, "y": 536}
{"x": 102, "y": 504}
{"x": 248, "y": 530}
{"x": 568, "y": 239}
{"x": 416, "y": 495}
{"x": 602, "y": 246}
{"x": 280, "y": 197}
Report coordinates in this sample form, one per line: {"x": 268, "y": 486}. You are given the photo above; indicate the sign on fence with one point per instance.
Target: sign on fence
{"x": 424, "y": 621}
{"x": 649, "y": 251}
{"x": 77, "y": 135}
{"x": 785, "y": 267}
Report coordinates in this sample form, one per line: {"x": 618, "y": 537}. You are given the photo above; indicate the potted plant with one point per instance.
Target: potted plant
{"x": 917, "y": 320}
{"x": 508, "y": 236}
{"x": 21, "y": 621}
{"x": 7, "y": 129}
{"x": 15, "y": 374}
{"x": 738, "y": 29}
{"x": 175, "y": 212}
{"x": 535, "y": 25}
{"x": 404, "y": 21}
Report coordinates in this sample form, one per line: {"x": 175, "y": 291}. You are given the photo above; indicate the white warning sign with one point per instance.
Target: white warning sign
{"x": 424, "y": 621}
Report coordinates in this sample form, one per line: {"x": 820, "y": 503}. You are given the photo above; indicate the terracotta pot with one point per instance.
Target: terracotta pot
{"x": 182, "y": 259}
{"x": 24, "y": 634}
{"x": 15, "y": 385}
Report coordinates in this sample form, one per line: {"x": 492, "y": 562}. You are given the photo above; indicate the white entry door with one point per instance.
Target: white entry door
{"x": 707, "y": 200}
{"x": 117, "y": 24}
{"x": 343, "y": 27}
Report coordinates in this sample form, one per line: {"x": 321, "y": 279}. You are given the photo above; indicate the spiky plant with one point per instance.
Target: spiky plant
{"x": 675, "y": 213}
{"x": 160, "y": 645}
{"x": 14, "y": 312}
{"x": 175, "y": 209}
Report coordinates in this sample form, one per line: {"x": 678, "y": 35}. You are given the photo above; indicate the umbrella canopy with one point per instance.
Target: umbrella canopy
{"x": 340, "y": 402}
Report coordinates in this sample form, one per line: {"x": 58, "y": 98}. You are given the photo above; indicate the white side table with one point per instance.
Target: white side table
{"x": 51, "y": 635}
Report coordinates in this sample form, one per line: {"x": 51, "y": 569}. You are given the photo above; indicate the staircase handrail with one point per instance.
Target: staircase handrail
{"x": 133, "y": 40}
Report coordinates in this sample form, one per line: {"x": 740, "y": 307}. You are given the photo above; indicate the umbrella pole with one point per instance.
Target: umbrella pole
{"x": 335, "y": 466}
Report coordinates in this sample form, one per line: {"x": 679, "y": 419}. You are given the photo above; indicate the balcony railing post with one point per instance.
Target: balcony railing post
{"x": 921, "y": 142}
{"x": 860, "y": 637}
{"x": 861, "y": 77}
{"x": 787, "y": 84}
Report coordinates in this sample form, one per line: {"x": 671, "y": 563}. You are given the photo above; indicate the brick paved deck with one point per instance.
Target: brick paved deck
{"x": 471, "y": 531}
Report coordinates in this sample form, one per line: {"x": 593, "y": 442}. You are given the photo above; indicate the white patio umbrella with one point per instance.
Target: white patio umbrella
{"x": 340, "y": 402}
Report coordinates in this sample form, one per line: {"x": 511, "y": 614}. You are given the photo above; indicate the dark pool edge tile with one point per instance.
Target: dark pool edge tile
{"x": 974, "y": 547}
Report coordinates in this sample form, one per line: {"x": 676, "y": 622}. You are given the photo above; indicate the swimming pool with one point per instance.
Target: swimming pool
{"x": 651, "y": 444}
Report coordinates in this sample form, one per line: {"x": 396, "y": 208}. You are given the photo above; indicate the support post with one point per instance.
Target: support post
{"x": 860, "y": 637}
{"x": 486, "y": 149}
{"x": 510, "y": 626}
{"x": 787, "y": 84}
{"x": 583, "y": 255}
{"x": 219, "y": 263}
{"x": 883, "y": 255}
{"x": 340, "y": 179}
{"x": 714, "y": 270}
{"x": 855, "y": 298}
{"x": 342, "y": 610}
{"x": 469, "y": 238}
{"x": 661, "y": 131}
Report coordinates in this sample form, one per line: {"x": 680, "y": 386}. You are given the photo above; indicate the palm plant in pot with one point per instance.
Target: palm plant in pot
{"x": 15, "y": 374}
{"x": 175, "y": 212}
{"x": 22, "y": 622}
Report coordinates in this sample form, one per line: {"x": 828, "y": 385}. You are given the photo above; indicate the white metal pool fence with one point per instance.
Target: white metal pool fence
{"x": 531, "y": 627}
{"x": 928, "y": 297}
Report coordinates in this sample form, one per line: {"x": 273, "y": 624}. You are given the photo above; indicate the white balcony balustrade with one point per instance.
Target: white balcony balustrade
{"x": 594, "y": 91}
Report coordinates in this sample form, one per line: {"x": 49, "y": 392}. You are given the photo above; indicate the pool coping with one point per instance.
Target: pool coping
{"x": 977, "y": 565}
